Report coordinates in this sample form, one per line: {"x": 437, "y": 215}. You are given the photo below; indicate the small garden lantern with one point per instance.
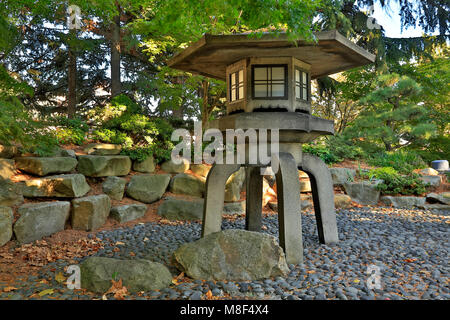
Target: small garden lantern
{"x": 269, "y": 87}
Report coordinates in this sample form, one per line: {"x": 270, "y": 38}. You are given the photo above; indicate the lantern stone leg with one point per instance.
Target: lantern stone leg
{"x": 289, "y": 208}
{"x": 253, "y": 202}
{"x": 215, "y": 196}
{"x": 323, "y": 197}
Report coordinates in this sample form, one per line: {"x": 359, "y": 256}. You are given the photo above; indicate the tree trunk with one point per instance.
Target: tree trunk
{"x": 72, "y": 80}
{"x": 205, "y": 107}
{"x": 116, "y": 86}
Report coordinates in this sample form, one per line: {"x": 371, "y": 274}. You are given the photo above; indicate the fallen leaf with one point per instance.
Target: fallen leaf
{"x": 9, "y": 289}
{"x": 117, "y": 289}
{"x": 410, "y": 260}
{"x": 116, "y": 249}
{"x": 120, "y": 243}
{"x": 209, "y": 295}
{"x": 45, "y": 292}
{"x": 60, "y": 277}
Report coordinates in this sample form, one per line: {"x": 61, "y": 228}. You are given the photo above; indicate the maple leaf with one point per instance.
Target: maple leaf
{"x": 209, "y": 295}
{"x": 9, "y": 289}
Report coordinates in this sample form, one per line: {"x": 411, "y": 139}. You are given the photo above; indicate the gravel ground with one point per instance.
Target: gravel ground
{"x": 410, "y": 248}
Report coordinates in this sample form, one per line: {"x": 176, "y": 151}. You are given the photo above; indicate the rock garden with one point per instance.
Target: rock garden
{"x": 140, "y": 222}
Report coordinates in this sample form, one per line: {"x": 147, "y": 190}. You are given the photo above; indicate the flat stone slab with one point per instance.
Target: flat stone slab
{"x": 6, "y": 223}
{"x": 148, "y": 188}
{"x": 403, "y": 202}
{"x": 184, "y": 183}
{"x": 7, "y": 168}
{"x": 38, "y": 220}
{"x": 232, "y": 255}
{"x": 46, "y": 165}
{"x": 443, "y": 197}
{"x": 364, "y": 193}
{"x": 342, "y": 175}
{"x": 128, "y": 212}
{"x": 59, "y": 186}
{"x": 10, "y": 193}
{"x": 114, "y": 187}
{"x": 104, "y": 166}
{"x": 103, "y": 149}
{"x": 90, "y": 213}
{"x": 137, "y": 275}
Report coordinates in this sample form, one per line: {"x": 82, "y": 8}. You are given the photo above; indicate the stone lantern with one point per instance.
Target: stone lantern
{"x": 269, "y": 87}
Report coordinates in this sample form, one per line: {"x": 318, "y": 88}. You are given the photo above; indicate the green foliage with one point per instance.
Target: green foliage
{"x": 71, "y": 131}
{"x": 402, "y": 161}
{"x": 395, "y": 183}
{"x": 322, "y": 151}
{"x": 123, "y": 122}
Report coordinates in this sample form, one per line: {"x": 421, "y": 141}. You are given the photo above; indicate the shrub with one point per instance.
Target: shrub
{"x": 322, "y": 151}
{"x": 395, "y": 183}
{"x": 402, "y": 161}
{"x": 70, "y": 130}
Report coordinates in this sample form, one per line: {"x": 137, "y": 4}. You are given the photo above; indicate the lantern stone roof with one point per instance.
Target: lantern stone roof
{"x": 210, "y": 55}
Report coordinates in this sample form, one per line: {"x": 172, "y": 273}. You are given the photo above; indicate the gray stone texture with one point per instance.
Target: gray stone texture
{"x": 342, "y": 175}
{"x": 137, "y": 275}
{"x": 232, "y": 255}
{"x": 59, "y": 186}
{"x": 200, "y": 169}
{"x": 46, "y": 165}
{"x": 7, "y": 168}
{"x": 342, "y": 200}
{"x": 171, "y": 167}
{"x": 403, "y": 202}
{"x": 90, "y": 213}
{"x": 433, "y": 181}
{"x": 114, "y": 187}
{"x": 148, "y": 188}
{"x": 128, "y": 212}
{"x": 104, "y": 166}
{"x": 10, "y": 193}
{"x": 443, "y": 197}
{"x": 234, "y": 185}
{"x": 8, "y": 152}
{"x": 6, "y": 223}
{"x": 364, "y": 193}
{"x": 146, "y": 166}
{"x": 38, "y": 220}
{"x": 184, "y": 183}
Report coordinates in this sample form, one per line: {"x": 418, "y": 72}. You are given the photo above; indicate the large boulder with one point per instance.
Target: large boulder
{"x": 59, "y": 186}
{"x": 7, "y": 168}
{"x": 128, "y": 212}
{"x": 6, "y": 222}
{"x": 137, "y": 275}
{"x": 114, "y": 187}
{"x": 184, "y": 183}
{"x": 433, "y": 181}
{"x": 148, "y": 188}
{"x": 364, "y": 192}
{"x": 90, "y": 213}
{"x": 46, "y": 165}
{"x": 429, "y": 172}
{"x": 232, "y": 255}
{"x": 172, "y": 167}
{"x": 10, "y": 193}
{"x": 145, "y": 166}
{"x": 8, "y": 152}
{"x": 234, "y": 185}
{"x": 200, "y": 169}
{"x": 104, "y": 166}
{"x": 103, "y": 149}
{"x": 38, "y": 220}
{"x": 305, "y": 185}
{"x": 342, "y": 175}
{"x": 443, "y": 197}
{"x": 403, "y": 202}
